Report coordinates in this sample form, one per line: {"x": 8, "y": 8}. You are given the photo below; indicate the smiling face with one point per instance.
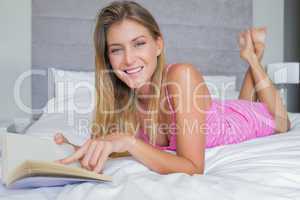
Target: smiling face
{"x": 132, "y": 52}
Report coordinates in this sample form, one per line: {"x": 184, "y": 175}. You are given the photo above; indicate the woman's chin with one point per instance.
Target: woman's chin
{"x": 135, "y": 84}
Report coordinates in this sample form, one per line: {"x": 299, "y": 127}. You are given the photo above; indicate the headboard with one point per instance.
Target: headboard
{"x": 201, "y": 32}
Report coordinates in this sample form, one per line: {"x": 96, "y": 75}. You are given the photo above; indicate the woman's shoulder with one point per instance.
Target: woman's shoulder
{"x": 177, "y": 71}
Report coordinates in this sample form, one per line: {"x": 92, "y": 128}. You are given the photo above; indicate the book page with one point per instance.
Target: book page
{"x": 33, "y": 182}
{"x": 19, "y": 148}
{"x": 55, "y": 170}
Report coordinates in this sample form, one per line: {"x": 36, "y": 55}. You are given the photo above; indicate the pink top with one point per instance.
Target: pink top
{"x": 227, "y": 122}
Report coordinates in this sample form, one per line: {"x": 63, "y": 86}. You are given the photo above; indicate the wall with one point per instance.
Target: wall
{"x": 282, "y": 18}
{"x": 292, "y": 31}
{"x": 15, "y": 55}
{"x": 292, "y": 48}
{"x": 270, "y": 13}
{"x": 201, "y": 32}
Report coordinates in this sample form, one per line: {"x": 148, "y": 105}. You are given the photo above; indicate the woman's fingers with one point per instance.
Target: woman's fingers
{"x": 92, "y": 155}
{"x": 77, "y": 155}
{"x": 89, "y": 153}
{"x": 103, "y": 158}
{"x": 97, "y": 153}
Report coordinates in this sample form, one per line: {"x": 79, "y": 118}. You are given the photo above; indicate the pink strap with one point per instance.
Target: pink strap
{"x": 172, "y": 138}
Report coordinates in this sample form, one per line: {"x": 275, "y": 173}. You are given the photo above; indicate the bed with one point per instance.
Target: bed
{"x": 263, "y": 168}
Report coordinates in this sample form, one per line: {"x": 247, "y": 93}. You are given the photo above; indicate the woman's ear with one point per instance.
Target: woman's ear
{"x": 160, "y": 45}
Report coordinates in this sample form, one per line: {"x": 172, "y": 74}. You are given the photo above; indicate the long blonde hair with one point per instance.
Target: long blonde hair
{"x": 111, "y": 93}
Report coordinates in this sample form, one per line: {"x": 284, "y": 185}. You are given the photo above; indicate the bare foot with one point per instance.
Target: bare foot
{"x": 258, "y": 37}
{"x": 247, "y": 51}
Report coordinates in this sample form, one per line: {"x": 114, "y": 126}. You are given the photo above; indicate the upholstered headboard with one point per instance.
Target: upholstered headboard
{"x": 201, "y": 32}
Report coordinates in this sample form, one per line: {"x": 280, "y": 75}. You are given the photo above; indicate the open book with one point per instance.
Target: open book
{"x": 27, "y": 161}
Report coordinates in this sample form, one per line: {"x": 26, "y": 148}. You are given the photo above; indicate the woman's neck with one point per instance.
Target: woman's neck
{"x": 143, "y": 94}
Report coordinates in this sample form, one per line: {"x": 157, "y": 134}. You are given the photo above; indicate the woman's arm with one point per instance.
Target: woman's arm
{"x": 190, "y": 99}
{"x": 161, "y": 161}
{"x": 187, "y": 84}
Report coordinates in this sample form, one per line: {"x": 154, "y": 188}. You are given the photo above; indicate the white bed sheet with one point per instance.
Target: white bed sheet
{"x": 264, "y": 168}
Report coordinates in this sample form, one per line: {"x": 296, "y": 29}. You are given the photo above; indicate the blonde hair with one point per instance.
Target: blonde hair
{"x": 111, "y": 93}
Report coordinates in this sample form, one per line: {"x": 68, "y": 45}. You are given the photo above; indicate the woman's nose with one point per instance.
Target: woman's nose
{"x": 129, "y": 57}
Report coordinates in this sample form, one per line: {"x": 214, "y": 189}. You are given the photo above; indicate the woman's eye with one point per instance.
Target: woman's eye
{"x": 115, "y": 50}
{"x": 140, "y": 44}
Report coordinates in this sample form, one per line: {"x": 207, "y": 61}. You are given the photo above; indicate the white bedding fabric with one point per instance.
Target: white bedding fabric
{"x": 264, "y": 168}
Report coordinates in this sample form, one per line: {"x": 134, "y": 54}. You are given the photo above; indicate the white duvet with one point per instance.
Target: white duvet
{"x": 264, "y": 168}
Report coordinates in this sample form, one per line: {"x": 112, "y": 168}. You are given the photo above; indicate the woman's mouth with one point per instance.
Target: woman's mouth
{"x": 134, "y": 70}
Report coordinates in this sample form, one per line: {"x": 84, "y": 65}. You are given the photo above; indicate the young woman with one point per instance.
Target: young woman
{"x": 145, "y": 106}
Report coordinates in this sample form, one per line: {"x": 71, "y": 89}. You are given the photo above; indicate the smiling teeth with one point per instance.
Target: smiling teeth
{"x": 135, "y": 70}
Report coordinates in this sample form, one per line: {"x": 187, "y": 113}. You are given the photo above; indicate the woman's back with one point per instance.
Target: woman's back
{"x": 227, "y": 122}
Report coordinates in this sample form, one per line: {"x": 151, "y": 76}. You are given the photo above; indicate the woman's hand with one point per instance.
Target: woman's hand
{"x": 93, "y": 154}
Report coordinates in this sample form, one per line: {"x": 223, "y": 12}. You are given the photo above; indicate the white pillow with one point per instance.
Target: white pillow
{"x": 79, "y": 104}
{"x": 76, "y": 130}
{"x": 222, "y": 87}
{"x": 70, "y": 83}
{"x": 69, "y": 116}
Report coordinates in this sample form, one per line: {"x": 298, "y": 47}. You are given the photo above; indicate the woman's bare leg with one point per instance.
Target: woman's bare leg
{"x": 247, "y": 91}
{"x": 265, "y": 90}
